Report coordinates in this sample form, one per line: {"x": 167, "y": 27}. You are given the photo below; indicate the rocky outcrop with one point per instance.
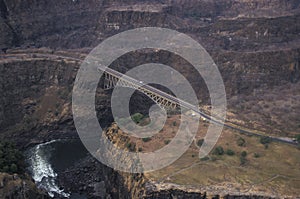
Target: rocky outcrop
{"x": 36, "y": 103}
{"x": 255, "y": 43}
{"x": 77, "y": 24}
{"x": 92, "y": 178}
{"x": 235, "y": 8}
{"x": 14, "y": 186}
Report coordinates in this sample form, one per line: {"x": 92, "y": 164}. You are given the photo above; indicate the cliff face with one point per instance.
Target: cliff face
{"x": 67, "y": 24}
{"x": 76, "y": 24}
{"x": 13, "y": 186}
{"x": 36, "y": 100}
{"x": 235, "y": 8}
{"x": 36, "y": 92}
{"x": 97, "y": 180}
{"x": 255, "y": 43}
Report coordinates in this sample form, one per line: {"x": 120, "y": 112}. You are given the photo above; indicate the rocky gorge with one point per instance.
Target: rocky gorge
{"x": 255, "y": 44}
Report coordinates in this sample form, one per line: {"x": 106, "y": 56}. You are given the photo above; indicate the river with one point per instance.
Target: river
{"x": 46, "y": 160}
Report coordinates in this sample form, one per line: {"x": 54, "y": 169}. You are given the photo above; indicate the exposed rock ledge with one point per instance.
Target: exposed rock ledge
{"x": 94, "y": 179}
{"x": 17, "y": 187}
{"x": 161, "y": 190}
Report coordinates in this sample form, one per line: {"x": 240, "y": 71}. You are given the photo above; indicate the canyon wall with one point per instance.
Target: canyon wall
{"x": 255, "y": 43}
{"x": 77, "y": 24}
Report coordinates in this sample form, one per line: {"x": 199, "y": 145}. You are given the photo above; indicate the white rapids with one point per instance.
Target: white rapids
{"x": 42, "y": 171}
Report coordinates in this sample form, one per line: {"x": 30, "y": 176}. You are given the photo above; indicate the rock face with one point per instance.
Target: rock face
{"x": 255, "y": 43}
{"x": 36, "y": 92}
{"x": 235, "y": 8}
{"x": 91, "y": 178}
{"x": 36, "y": 100}
{"x": 76, "y": 24}
{"x": 13, "y": 186}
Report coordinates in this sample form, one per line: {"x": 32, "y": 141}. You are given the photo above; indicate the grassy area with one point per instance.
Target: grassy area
{"x": 239, "y": 164}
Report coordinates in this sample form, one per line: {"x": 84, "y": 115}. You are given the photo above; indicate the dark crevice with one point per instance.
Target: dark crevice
{"x": 295, "y": 73}
{"x": 4, "y": 14}
{"x": 3, "y": 9}
{"x": 15, "y": 40}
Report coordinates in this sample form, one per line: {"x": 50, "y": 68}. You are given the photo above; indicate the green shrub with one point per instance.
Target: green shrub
{"x": 297, "y": 137}
{"x": 174, "y": 123}
{"x": 219, "y": 150}
{"x": 243, "y": 160}
{"x": 256, "y": 155}
{"x": 137, "y": 117}
{"x": 131, "y": 146}
{"x": 128, "y": 145}
{"x": 265, "y": 140}
{"x": 244, "y": 154}
{"x": 167, "y": 142}
{"x": 204, "y": 158}
{"x": 230, "y": 152}
{"x": 241, "y": 142}
{"x": 200, "y": 142}
{"x": 146, "y": 139}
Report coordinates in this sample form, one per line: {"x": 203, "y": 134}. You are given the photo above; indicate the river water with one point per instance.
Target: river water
{"x": 48, "y": 159}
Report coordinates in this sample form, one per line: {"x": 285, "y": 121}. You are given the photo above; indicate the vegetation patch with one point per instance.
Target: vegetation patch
{"x": 265, "y": 140}
{"x": 297, "y": 137}
{"x": 230, "y": 152}
{"x": 11, "y": 159}
{"x": 204, "y": 158}
{"x": 219, "y": 150}
{"x": 241, "y": 142}
{"x": 146, "y": 139}
{"x": 243, "y": 159}
{"x": 137, "y": 117}
{"x": 256, "y": 155}
{"x": 131, "y": 146}
{"x": 200, "y": 142}
{"x": 167, "y": 142}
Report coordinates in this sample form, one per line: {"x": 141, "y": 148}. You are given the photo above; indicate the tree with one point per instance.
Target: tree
{"x": 243, "y": 160}
{"x": 146, "y": 139}
{"x": 241, "y": 142}
{"x": 244, "y": 154}
{"x": 13, "y": 168}
{"x": 219, "y": 150}
{"x": 137, "y": 117}
{"x": 230, "y": 152}
{"x": 200, "y": 142}
{"x": 5, "y": 169}
{"x": 256, "y": 155}
{"x": 204, "y": 158}
{"x": 11, "y": 159}
{"x": 265, "y": 140}
{"x": 298, "y": 138}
